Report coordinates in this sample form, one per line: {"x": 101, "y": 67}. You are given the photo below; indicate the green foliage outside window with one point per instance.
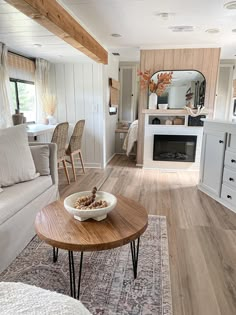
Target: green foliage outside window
{"x": 26, "y": 98}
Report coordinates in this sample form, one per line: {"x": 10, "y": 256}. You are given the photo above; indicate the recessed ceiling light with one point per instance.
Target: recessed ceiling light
{"x": 212, "y": 30}
{"x": 163, "y": 15}
{"x": 37, "y": 45}
{"x": 230, "y": 5}
{"x": 182, "y": 28}
{"x": 115, "y": 35}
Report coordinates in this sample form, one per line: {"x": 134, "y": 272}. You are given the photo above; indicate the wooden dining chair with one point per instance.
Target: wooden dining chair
{"x": 59, "y": 137}
{"x": 74, "y": 146}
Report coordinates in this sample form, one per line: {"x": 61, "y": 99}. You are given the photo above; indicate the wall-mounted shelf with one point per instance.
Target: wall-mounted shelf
{"x": 152, "y": 120}
{"x": 161, "y": 115}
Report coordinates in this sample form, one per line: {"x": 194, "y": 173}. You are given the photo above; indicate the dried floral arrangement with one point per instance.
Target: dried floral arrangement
{"x": 49, "y": 103}
{"x": 163, "y": 80}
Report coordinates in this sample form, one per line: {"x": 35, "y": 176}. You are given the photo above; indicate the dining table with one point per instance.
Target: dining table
{"x": 43, "y": 133}
{"x": 40, "y": 132}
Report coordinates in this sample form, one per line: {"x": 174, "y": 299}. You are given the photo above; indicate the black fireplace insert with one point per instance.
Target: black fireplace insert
{"x": 178, "y": 148}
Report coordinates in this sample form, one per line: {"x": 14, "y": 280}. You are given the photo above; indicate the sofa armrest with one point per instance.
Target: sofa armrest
{"x": 52, "y": 159}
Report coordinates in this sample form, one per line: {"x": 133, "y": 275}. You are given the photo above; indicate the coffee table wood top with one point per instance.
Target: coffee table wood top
{"x": 125, "y": 223}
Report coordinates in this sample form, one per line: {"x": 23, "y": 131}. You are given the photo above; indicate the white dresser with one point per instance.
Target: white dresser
{"x": 218, "y": 162}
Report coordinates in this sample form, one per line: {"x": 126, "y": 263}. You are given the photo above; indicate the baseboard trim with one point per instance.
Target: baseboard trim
{"x": 109, "y": 160}
{"x": 93, "y": 165}
{"x": 86, "y": 165}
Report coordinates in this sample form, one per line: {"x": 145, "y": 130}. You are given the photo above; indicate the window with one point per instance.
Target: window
{"x": 23, "y": 97}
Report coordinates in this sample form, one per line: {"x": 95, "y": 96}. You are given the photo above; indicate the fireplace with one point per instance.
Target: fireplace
{"x": 178, "y": 148}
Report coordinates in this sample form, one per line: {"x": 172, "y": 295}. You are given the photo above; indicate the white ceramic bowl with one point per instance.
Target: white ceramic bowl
{"x": 96, "y": 214}
{"x": 162, "y": 106}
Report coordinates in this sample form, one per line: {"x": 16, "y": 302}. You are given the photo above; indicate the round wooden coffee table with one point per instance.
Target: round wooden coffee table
{"x": 124, "y": 224}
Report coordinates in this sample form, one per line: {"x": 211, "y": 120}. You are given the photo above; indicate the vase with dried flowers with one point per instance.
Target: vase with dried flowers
{"x": 49, "y": 107}
{"x": 155, "y": 88}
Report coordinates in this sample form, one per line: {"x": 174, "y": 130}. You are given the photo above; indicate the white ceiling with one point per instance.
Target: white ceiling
{"x": 135, "y": 20}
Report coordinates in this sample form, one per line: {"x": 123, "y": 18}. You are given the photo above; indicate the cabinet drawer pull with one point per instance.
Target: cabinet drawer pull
{"x": 229, "y": 197}
{"x": 231, "y": 179}
{"x": 221, "y": 141}
{"x": 233, "y": 161}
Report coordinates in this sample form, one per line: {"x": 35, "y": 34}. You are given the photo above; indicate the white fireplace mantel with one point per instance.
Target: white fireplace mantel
{"x": 150, "y": 130}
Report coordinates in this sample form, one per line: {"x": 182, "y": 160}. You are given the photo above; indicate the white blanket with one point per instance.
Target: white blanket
{"x": 20, "y": 298}
{"x": 131, "y": 138}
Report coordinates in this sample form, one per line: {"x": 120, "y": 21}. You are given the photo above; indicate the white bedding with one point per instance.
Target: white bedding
{"x": 131, "y": 138}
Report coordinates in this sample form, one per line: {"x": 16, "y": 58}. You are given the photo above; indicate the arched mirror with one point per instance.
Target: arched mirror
{"x": 176, "y": 89}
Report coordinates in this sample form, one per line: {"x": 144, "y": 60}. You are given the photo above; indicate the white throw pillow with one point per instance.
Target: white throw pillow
{"x": 40, "y": 154}
{"x": 16, "y": 162}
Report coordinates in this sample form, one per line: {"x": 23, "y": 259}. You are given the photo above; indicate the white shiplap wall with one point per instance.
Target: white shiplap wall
{"x": 79, "y": 92}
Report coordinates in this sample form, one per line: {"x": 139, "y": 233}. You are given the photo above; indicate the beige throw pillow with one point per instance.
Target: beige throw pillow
{"x": 16, "y": 162}
{"x": 40, "y": 154}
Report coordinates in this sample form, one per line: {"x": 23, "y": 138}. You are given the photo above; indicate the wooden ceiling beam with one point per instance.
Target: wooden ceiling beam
{"x": 58, "y": 21}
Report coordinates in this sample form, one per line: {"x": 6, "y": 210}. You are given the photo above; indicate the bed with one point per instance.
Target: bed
{"x": 131, "y": 137}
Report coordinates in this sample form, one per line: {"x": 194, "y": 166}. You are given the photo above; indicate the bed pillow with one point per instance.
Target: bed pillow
{"x": 40, "y": 154}
{"x": 16, "y": 162}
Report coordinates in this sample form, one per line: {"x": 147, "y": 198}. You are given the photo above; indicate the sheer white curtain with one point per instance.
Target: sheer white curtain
{"x": 5, "y": 99}
{"x": 42, "y": 86}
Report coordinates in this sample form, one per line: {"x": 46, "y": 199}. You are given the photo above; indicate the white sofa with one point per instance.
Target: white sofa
{"x": 19, "y": 204}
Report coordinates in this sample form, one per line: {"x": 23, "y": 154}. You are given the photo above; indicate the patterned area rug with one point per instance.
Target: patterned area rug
{"x": 107, "y": 285}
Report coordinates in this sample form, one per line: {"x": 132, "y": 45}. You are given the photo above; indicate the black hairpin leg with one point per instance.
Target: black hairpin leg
{"x": 55, "y": 254}
{"x": 80, "y": 272}
{"x": 134, "y": 253}
{"x": 72, "y": 274}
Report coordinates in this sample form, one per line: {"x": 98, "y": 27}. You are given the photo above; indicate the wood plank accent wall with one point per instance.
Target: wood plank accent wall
{"x": 79, "y": 92}
{"x": 205, "y": 60}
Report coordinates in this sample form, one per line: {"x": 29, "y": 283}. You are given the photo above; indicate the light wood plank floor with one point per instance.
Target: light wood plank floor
{"x": 202, "y": 233}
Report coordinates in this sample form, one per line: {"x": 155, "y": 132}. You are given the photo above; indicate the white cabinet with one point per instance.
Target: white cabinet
{"x": 218, "y": 162}
{"x": 228, "y": 194}
{"x": 213, "y": 151}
